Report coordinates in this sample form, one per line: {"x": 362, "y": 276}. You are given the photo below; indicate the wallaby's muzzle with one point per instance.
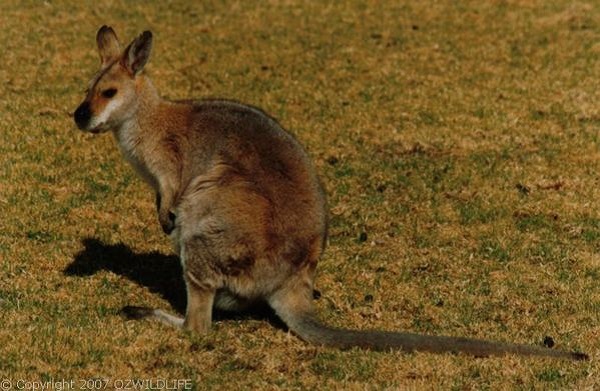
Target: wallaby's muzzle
{"x": 82, "y": 115}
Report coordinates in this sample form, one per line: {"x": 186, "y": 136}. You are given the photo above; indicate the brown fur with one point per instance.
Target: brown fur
{"x": 241, "y": 201}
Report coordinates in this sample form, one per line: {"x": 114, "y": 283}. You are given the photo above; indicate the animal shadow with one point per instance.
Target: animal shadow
{"x": 159, "y": 273}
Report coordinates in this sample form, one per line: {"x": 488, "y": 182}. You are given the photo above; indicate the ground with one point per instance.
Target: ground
{"x": 458, "y": 142}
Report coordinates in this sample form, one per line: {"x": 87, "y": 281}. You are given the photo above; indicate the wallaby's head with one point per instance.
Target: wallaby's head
{"x": 112, "y": 95}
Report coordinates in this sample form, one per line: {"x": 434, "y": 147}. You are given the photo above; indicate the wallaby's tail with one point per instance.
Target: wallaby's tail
{"x": 310, "y": 329}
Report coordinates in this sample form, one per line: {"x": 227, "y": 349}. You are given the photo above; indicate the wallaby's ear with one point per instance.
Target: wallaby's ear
{"x": 137, "y": 53}
{"x": 108, "y": 44}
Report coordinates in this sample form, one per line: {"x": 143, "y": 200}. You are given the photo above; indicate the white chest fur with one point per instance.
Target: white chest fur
{"x": 131, "y": 145}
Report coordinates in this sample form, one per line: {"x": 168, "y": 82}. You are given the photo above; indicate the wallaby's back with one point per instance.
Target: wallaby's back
{"x": 255, "y": 150}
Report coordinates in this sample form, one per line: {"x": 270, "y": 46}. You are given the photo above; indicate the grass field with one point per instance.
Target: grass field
{"x": 459, "y": 143}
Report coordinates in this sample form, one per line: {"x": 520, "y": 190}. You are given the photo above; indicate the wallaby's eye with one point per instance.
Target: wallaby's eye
{"x": 109, "y": 93}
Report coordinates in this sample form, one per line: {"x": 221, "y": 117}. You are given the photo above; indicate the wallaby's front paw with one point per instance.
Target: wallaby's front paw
{"x": 167, "y": 223}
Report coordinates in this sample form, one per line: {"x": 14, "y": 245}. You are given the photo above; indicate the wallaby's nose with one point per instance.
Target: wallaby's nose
{"x": 82, "y": 115}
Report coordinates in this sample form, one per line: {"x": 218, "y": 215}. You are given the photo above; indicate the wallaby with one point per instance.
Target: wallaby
{"x": 239, "y": 197}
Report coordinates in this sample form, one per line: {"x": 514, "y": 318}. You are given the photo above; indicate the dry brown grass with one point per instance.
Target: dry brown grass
{"x": 462, "y": 139}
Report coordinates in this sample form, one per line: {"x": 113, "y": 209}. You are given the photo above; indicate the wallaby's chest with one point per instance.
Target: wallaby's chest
{"x": 134, "y": 152}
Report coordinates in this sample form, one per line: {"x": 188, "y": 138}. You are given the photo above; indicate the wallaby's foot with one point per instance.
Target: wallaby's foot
{"x": 132, "y": 312}
{"x": 136, "y": 313}
{"x": 198, "y": 324}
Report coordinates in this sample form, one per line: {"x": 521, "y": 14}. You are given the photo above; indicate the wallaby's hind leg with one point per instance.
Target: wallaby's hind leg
{"x": 198, "y": 316}
{"x": 201, "y": 283}
{"x": 200, "y": 298}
